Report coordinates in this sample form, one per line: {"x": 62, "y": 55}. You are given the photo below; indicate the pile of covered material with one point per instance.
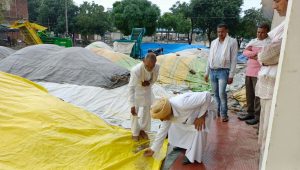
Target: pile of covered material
{"x": 186, "y": 67}
{"x": 5, "y": 51}
{"x": 40, "y": 131}
{"x": 51, "y": 63}
{"x": 183, "y": 68}
{"x": 110, "y": 104}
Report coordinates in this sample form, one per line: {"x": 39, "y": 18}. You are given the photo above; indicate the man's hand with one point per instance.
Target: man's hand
{"x": 206, "y": 78}
{"x": 254, "y": 58}
{"x": 230, "y": 80}
{"x": 148, "y": 152}
{"x": 199, "y": 122}
{"x": 133, "y": 111}
{"x": 145, "y": 83}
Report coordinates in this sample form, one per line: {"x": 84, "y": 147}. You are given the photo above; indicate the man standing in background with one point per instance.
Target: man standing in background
{"x": 221, "y": 67}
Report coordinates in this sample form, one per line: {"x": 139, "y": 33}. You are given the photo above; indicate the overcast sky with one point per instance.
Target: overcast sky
{"x": 164, "y": 5}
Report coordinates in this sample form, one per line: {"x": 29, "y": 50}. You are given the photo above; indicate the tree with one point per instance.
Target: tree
{"x": 249, "y": 23}
{"x": 185, "y": 21}
{"x": 51, "y": 13}
{"x": 183, "y": 24}
{"x": 3, "y": 6}
{"x": 168, "y": 22}
{"x": 209, "y": 13}
{"x": 92, "y": 19}
{"x": 33, "y": 9}
{"x": 128, "y": 14}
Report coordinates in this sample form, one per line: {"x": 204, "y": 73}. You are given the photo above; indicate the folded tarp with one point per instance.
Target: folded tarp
{"x": 5, "y": 51}
{"x": 75, "y": 65}
{"x": 40, "y": 131}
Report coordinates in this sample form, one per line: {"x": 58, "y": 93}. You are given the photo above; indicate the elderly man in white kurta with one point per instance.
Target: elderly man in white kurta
{"x": 142, "y": 77}
{"x": 185, "y": 118}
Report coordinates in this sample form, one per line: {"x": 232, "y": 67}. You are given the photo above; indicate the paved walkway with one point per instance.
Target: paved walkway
{"x": 230, "y": 146}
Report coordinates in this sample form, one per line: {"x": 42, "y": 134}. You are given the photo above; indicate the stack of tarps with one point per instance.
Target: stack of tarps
{"x": 51, "y": 63}
{"x": 39, "y": 131}
{"x": 5, "y": 51}
{"x": 97, "y": 45}
{"x": 120, "y": 59}
{"x": 185, "y": 67}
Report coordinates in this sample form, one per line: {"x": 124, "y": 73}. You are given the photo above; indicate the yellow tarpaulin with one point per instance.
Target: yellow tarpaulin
{"x": 240, "y": 96}
{"x": 39, "y": 131}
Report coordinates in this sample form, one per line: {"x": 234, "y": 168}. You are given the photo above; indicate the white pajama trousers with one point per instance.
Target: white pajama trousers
{"x": 142, "y": 121}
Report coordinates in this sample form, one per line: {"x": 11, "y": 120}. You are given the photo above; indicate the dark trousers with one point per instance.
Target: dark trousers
{"x": 253, "y": 102}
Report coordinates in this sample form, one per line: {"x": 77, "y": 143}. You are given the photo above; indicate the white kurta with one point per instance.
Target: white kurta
{"x": 141, "y": 97}
{"x": 181, "y": 130}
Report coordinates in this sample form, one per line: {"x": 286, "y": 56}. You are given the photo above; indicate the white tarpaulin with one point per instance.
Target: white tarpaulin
{"x": 112, "y": 105}
{"x": 123, "y": 47}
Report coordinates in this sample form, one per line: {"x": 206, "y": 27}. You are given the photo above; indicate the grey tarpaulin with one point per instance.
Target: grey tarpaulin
{"x": 5, "y": 51}
{"x": 75, "y": 65}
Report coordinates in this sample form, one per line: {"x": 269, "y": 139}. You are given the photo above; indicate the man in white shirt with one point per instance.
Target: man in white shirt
{"x": 142, "y": 77}
{"x": 185, "y": 118}
{"x": 221, "y": 67}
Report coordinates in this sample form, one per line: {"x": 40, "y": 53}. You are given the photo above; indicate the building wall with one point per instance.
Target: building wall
{"x": 267, "y": 8}
{"x": 18, "y": 9}
{"x": 283, "y": 136}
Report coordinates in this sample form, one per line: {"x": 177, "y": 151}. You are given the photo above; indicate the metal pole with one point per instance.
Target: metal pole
{"x": 66, "y": 15}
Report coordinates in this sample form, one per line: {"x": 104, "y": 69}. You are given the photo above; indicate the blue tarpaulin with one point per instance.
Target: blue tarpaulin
{"x": 168, "y": 48}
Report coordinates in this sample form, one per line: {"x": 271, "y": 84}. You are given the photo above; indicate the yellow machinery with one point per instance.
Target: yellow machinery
{"x": 29, "y": 30}
{"x": 35, "y": 34}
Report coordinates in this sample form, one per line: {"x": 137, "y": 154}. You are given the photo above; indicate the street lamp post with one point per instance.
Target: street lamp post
{"x": 66, "y": 15}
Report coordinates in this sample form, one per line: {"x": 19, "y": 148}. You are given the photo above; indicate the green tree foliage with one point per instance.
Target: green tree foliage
{"x": 185, "y": 22}
{"x": 1, "y": 12}
{"x": 128, "y": 14}
{"x": 3, "y": 5}
{"x": 248, "y": 25}
{"x": 92, "y": 19}
{"x": 51, "y": 13}
{"x": 167, "y": 21}
{"x": 209, "y": 13}
{"x": 33, "y": 9}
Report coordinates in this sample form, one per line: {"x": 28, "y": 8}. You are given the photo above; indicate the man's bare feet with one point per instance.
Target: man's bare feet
{"x": 143, "y": 135}
{"x": 148, "y": 152}
{"x": 135, "y": 138}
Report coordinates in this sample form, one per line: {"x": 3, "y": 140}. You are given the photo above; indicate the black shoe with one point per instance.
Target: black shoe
{"x": 239, "y": 114}
{"x": 178, "y": 149}
{"x": 225, "y": 119}
{"x": 247, "y": 117}
{"x": 185, "y": 161}
{"x": 252, "y": 121}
